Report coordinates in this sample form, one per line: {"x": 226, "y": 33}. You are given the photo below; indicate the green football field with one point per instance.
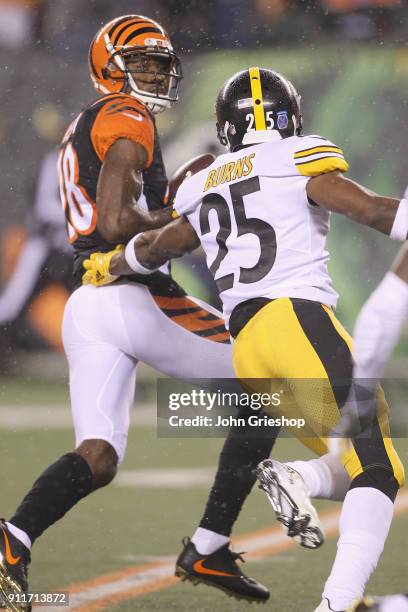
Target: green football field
{"x": 127, "y": 534}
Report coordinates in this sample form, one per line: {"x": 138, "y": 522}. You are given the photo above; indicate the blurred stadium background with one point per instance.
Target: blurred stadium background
{"x": 349, "y": 61}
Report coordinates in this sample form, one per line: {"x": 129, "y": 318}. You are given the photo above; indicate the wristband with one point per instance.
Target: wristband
{"x": 131, "y": 258}
{"x": 399, "y": 228}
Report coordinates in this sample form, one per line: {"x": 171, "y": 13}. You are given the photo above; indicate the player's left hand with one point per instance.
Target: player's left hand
{"x": 97, "y": 268}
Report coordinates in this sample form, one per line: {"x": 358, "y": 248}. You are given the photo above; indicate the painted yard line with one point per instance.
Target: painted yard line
{"x": 107, "y": 602}
{"x": 19, "y": 418}
{"x": 159, "y": 478}
{"x": 124, "y": 588}
{"x": 130, "y": 558}
{"x": 112, "y": 577}
{"x": 85, "y": 594}
{"x": 98, "y": 594}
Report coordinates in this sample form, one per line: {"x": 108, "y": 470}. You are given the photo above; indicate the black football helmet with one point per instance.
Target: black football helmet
{"x": 254, "y": 100}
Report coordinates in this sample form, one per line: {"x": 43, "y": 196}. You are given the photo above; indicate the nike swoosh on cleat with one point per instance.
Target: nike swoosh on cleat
{"x": 200, "y": 569}
{"x": 9, "y": 556}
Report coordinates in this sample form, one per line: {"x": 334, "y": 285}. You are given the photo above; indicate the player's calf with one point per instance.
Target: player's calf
{"x": 364, "y": 524}
{"x": 62, "y": 485}
{"x": 71, "y": 478}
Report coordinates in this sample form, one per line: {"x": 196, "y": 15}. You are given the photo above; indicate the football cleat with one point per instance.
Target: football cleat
{"x": 325, "y": 606}
{"x": 391, "y": 603}
{"x": 14, "y": 559}
{"x": 220, "y": 570}
{"x": 289, "y": 498}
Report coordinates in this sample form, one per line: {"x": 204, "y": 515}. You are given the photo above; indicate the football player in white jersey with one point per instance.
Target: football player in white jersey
{"x": 261, "y": 213}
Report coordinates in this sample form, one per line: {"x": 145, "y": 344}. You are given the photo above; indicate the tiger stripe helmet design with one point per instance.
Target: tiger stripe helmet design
{"x": 129, "y": 38}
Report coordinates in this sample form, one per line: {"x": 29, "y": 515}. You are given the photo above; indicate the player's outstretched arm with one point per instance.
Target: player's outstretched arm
{"x": 380, "y": 321}
{"x": 376, "y": 333}
{"x": 149, "y": 250}
{"x": 119, "y": 188}
{"x": 339, "y": 194}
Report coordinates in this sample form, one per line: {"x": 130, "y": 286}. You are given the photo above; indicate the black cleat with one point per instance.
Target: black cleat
{"x": 219, "y": 570}
{"x": 14, "y": 559}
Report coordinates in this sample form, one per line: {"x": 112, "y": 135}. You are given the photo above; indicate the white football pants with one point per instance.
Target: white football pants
{"x": 107, "y": 330}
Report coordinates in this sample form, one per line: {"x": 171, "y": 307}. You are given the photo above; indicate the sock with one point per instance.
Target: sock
{"x": 235, "y": 477}
{"x": 364, "y": 524}
{"x": 20, "y": 535}
{"x": 324, "y": 477}
{"x": 55, "y": 492}
{"x": 207, "y": 542}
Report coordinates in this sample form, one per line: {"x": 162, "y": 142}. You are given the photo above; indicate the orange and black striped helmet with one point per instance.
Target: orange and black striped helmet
{"x": 128, "y": 48}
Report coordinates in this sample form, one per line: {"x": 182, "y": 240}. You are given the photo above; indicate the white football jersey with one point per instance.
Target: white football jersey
{"x": 261, "y": 235}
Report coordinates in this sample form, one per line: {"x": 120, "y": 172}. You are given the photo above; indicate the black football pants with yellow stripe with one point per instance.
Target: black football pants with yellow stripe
{"x": 301, "y": 348}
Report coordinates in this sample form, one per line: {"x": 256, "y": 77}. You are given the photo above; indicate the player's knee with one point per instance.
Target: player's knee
{"x": 102, "y": 459}
{"x": 379, "y": 478}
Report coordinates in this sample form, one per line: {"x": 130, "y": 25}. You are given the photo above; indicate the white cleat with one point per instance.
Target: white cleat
{"x": 286, "y": 490}
{"x": 390, "y": 603}
{"x": 324, "y": 606}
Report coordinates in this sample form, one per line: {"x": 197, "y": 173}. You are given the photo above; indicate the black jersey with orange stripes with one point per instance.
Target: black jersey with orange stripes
{"x": 83, "y": 151}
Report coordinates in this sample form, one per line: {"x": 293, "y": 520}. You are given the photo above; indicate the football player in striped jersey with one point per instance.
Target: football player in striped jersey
{"x": 110, "y": 158}
{"x": 261, "y": 213}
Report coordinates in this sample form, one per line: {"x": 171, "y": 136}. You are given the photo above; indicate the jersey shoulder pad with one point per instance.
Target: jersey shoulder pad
{"x": 122, "y": 116}
{"x": 314, "y": 155}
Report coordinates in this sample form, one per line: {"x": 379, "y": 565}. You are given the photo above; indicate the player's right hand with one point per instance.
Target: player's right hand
{"x": 97, "y": 268}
